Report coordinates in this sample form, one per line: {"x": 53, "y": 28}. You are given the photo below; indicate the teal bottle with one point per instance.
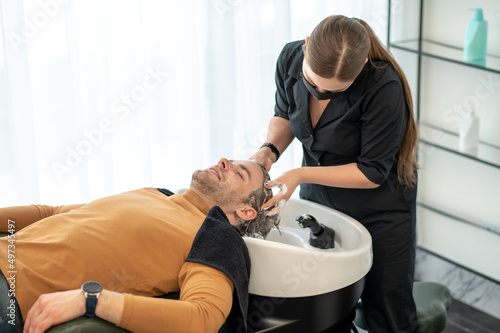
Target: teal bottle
{"x": 475, "y": 39}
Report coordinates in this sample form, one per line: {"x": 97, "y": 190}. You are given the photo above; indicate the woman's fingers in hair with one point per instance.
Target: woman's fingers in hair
{"x": 274, "y": 205}
{"x": 275, "y": 208}
{"x": 279, "y": 189}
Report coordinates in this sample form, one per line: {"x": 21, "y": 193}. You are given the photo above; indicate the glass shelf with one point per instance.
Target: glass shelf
{"x": 449, "y": 141}
{"x": 445, "y": 52}
{"x": 483, "y": 226}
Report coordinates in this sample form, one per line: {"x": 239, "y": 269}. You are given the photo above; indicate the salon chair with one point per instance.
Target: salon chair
{"x": 87, "y": 325}
{"x": 432, "y": 300}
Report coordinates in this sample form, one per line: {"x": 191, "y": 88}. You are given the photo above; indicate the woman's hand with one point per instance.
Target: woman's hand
{"x": 287, "y": 183}
{"x": 55, "y": 308}
{"x": 265, "y": 157}
{"x": 280, "y": 135}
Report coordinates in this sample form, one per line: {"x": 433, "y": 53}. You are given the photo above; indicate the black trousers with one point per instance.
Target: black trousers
{"x": 388, "y": 213}
{"x": 11, "y": 320}
{"x": 387, "y": 298}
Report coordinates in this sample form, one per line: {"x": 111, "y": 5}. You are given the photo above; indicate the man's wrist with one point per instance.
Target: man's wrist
{"x": 110, "y": 306}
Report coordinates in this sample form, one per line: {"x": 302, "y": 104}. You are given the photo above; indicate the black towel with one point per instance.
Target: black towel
{"x": 217, "y": 244}
{"x": 165, "y": 191}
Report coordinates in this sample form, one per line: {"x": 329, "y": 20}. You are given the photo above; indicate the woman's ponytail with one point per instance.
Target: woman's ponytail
{"x": 407, "y": 163}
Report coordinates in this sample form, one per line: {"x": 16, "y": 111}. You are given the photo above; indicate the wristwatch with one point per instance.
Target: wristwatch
{"x": 91, "y": 291}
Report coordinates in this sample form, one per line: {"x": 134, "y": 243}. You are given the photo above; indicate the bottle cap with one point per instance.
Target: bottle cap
{"x": 478, "y": 14}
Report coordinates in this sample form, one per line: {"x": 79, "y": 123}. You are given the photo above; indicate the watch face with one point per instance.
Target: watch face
{"x": 92, "y": 287}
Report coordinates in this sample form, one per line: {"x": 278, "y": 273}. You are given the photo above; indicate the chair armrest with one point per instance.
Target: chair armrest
{"x": 86, "y": 325}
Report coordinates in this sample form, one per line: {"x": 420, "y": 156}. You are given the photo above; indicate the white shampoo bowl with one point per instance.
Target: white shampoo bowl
{"x": 285, "y": 265}
{"x": 296, "y": 288}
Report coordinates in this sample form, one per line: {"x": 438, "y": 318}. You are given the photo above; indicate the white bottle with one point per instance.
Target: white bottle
{"x": 469, "y": 132}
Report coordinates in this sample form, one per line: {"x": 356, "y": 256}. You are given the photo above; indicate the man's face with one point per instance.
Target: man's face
{"x": 229, "y": 182}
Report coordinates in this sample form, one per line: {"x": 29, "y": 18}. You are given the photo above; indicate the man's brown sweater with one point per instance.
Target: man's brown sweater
{"x": 135, "y": 243}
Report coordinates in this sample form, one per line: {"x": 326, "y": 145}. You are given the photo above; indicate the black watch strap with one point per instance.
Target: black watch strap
{"x": 90, "y": 305}
{"x": 91, "y": 291}
{"x": 273, "y": 149}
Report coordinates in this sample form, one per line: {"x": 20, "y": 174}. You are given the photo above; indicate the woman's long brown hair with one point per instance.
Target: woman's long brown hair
{"x": 338, "y": 47}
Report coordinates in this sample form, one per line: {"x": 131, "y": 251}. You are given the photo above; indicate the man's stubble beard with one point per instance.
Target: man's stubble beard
{"x": 219, "y": 193}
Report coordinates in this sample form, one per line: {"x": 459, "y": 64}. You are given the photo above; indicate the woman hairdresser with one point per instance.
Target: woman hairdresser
{"x": 344, "y": 97}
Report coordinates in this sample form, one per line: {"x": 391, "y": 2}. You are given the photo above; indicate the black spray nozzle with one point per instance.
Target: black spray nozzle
{"x": 321, "y": 236}
{"x": 308, "y": 221}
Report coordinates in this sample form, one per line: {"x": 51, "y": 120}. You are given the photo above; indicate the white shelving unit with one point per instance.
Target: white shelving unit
{"x": 459, "y": 191}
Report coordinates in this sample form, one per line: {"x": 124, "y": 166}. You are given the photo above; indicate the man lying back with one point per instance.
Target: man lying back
{"x": 137, "y": 245}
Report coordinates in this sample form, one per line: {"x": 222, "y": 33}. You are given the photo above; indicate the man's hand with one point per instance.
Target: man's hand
{"x": 53, "y": 309}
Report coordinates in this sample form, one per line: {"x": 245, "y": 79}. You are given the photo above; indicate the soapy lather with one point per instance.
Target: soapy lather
{"x": 278, "y": 206}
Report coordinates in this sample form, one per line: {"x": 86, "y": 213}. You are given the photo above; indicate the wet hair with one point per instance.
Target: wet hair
{"x": 338, "y": 48}
{"x": 262, "y": 224}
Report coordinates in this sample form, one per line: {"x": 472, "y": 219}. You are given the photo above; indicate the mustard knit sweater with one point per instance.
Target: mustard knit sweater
{"x": 135, "y": 243}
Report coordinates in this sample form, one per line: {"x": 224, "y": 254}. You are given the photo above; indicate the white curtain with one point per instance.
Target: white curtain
{"x": 103, "y": 96}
